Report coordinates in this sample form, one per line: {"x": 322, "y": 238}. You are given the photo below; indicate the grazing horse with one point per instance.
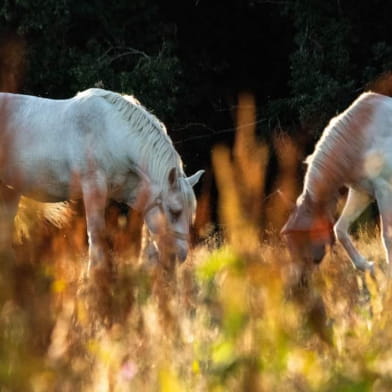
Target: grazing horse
{"x": 96, "y": 146}
{"x": 354, "y": 150}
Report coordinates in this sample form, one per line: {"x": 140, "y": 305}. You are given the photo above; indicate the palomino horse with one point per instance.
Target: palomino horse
{"x": 96, "y": 146}
{"x": 355, "y": 150}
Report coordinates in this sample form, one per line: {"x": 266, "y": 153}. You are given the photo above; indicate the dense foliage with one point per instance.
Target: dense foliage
{"x": 303, "y": 59}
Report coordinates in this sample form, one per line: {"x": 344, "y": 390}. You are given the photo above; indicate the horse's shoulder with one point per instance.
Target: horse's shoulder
{"x": 374, "y": 100}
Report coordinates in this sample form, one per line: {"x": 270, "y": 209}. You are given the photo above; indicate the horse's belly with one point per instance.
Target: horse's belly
{"x": 48, "y": 194}
{"x": 42, "y": 185}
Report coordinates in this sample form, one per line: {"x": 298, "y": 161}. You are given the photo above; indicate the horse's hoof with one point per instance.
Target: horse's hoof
{"x": 365, "y": 265}
{"x": 371, "y": 268}
{"x": 368, "y": 266}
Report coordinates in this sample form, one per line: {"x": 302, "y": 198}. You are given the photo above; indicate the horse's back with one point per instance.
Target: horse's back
{"x": 46, "y": 144}
{"x": 368, "y": 120}
{"x": 41, "y": 144}
{"x": 367, "y": 125}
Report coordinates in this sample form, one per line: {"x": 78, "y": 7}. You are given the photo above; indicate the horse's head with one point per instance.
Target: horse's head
{"x": 308, "y": 230}
{"x": 170, "y": 213}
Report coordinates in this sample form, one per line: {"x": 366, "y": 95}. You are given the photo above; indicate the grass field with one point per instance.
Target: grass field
{"x": 234, "y": 317}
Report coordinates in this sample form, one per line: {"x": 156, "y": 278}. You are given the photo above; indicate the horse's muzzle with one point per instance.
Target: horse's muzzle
{"x": 318, "y": 253}
{"x": 181, "y": 251}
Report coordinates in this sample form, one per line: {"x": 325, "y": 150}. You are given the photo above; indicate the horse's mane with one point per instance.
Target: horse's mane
{"x": 337, "y": 156}
{"x": 158, "y": 155}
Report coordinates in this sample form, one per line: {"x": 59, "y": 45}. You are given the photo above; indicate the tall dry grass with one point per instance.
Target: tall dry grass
{"x": 234, "y": 317}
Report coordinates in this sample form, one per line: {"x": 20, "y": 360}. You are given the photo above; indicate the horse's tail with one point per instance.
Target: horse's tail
{"x": 36, "y": 217}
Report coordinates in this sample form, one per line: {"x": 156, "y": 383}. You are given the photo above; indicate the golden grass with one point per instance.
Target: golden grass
{"x": 235, "y": 317}
{"x": 227, "y": 321}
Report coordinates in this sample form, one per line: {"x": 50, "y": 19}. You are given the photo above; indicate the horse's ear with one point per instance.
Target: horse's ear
{"x": 172, "y": 177}
{"x": 193, "y": 180}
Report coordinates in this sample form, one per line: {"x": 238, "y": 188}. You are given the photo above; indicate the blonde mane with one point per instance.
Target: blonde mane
{"x": 158, "y": 155}
{"x": 337, "y": 158}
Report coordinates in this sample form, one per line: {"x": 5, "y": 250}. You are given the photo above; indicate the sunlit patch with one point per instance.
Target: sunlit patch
{"x": 374, "y": 164}
{"x": 122, "y": 221}
{"x": 321, "y": 230}
{"x": 58, "y": 286}
{"x": 127, "y": 371}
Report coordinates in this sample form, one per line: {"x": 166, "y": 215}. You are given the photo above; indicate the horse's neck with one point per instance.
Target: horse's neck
{"x": 323, "y": 188}
{"x": 340, "y": 152}
{"x": 156, "y": 162}
{"x": 318, "y": 207}
{"x": 146, "y": 170}
{"x": 329, "y": 169}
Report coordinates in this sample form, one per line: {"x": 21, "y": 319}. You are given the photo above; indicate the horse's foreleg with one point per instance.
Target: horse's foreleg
{"x": 95, "y": 199}
{"x": 356, "y": 203}
{"x": 149, "y": 254}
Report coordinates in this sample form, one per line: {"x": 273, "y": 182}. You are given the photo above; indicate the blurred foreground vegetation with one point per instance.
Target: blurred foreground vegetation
{"x": 232, "y": 318}
{"x": 239, "y": 315}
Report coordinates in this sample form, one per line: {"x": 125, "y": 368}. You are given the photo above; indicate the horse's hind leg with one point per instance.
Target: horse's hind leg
{"x": 9, "y": 200}
{"x": 384, "y": 202}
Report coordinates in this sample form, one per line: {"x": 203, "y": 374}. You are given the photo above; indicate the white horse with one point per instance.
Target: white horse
{"x": 96, "y": 146}
{"x": 355, "y": 150}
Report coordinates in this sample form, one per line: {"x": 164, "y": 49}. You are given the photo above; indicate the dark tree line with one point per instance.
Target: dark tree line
{"x": 304, "y": 60}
